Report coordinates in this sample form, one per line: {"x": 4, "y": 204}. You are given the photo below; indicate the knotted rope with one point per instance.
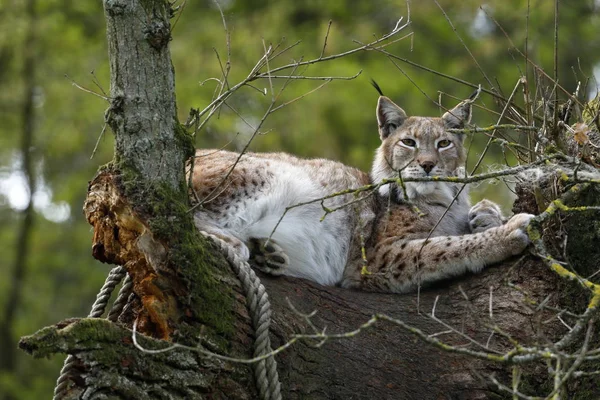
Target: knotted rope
{"x": 265, "y": 371}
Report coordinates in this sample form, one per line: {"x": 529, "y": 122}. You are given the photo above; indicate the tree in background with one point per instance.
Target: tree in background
{"x": 24, "y": 236}
{"x": 337, "y": 109}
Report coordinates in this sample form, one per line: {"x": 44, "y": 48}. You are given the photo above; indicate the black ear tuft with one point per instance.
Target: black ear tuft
{"x": 475, "y": 94}
{"x": 376, "y": 86}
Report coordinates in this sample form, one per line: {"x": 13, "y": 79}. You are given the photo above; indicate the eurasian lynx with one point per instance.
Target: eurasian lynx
{"x": 244, "y": 205}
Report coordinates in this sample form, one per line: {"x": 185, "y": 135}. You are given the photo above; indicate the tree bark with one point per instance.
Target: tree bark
{"x": 139, "y": 204}
{"x": 389, "y": 362}
{"x": 382, "y": 362}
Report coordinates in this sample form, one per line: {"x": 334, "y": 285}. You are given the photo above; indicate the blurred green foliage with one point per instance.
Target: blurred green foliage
{"x": 337, "y": 121}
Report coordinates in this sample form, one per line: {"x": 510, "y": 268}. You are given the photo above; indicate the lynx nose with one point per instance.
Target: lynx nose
{"x": 427, "y": 166}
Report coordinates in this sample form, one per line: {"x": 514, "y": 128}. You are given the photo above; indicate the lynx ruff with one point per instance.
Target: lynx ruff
{"x": 243, "y": 206}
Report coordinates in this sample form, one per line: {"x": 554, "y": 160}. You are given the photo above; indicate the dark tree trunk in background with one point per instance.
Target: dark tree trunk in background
{"x": 19, "y": 272}
{"x": 185, "y": 292}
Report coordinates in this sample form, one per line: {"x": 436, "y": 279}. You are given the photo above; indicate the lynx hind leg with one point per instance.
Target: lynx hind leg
{"x": 206, "y": 226}
{"x": 484, "y": 215}
{"x": 268, "y": 256}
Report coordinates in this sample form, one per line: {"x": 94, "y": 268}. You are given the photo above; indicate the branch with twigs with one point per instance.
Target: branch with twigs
{"x": 270, "y": 54}
{"x": 363, "y": 192}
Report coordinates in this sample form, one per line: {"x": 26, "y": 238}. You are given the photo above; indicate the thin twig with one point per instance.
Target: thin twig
{"x": 325, "y": 41}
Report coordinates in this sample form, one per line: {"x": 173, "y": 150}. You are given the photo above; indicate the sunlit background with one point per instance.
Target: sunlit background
{"x": 47, "y": 271}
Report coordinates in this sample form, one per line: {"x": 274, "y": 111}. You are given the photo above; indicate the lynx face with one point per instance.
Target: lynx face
{"x": 414, "y": 147}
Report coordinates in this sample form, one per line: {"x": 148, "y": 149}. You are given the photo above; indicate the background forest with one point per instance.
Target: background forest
{"x": 53, "y": 55}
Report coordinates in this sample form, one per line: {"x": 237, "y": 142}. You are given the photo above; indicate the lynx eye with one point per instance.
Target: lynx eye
{"x": 409, "y": 142}
{"x": 444, "y": 143}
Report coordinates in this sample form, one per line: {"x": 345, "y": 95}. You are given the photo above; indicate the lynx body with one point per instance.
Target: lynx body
{"x": 268, "y": 208}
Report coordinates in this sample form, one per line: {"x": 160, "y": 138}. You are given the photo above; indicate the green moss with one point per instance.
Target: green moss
{"x": 171, "y": 222}
{"x": 88, "y": 332}
{"x": 185, "y": 139}
{"x": 41, "y": 344}
{"x": 533, "y": 233}
{"x": 550, "y": 149}
{"x": 551, "y": 210}
{"x": 80, "y": 334}
{"x": 563, "y": 176}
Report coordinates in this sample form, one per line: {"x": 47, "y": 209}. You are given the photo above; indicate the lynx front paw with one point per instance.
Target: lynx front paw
{"x": 484, "y": 215}
{"x": 268, "y": 256}
{"x": 516, "y": 229}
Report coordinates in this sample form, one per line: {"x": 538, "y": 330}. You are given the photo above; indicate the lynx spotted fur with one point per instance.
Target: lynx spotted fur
{"x": 243, "y": 206}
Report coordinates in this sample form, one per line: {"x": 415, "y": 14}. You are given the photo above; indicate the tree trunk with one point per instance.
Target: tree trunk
{"x": 20, "y": 268}
{"x": 185, "y": 293}
{"x": 389, "y": 362}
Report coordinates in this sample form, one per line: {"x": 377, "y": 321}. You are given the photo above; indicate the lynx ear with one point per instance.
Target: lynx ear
{"x": 461, "y": 114}
{"x": 389, "y": 117}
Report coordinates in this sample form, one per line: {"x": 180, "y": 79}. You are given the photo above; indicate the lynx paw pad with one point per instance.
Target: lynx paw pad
{"x": 484, "y": 215}
{"x": 268, "y": 256}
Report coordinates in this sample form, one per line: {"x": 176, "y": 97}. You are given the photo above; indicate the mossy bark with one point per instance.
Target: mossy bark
{"x": 144, "y": 191}
{"x": 109, "y": 366}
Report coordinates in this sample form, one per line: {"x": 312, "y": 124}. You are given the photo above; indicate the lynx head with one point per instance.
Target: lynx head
{"x": 413, "y": 147}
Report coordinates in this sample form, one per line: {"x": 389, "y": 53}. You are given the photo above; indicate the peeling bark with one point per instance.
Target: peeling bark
{"x": 123, "y": 238}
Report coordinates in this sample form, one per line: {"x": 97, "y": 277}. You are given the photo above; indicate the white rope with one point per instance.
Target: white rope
{"x": 112, "y": 280}
{"x": 265, "y": 371}
{"x": 122, "y": 299}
